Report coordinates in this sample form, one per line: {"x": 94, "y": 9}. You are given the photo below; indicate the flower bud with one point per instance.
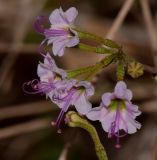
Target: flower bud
{"x": 135, "y": 69}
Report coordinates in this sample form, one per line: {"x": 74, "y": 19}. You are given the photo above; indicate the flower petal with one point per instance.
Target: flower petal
{"x": 133, "y": 126}
{"x": 71, "y": 14}
{"x": 83, "y": 106}
{"x": 108, "y": 120}
{"x": 89, "y": 89}
{"x": 56, "y": 17}
{"x": 106, "y": 98}
{"x": 122, "y": 92}
{"x": 132, "y": 109}
{"x": 128, "y": 123}
{"x": 73, "y": 41}
{"x": 128, "y": 95}
{"x": 94, "y": 114}
{"x": 59, "y": 46}
{"x": 48, "y": 69}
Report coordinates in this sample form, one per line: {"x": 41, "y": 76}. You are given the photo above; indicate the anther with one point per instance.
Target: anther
{"x": 59, "y": 131}
{"x": 53, "y": 123}
{"x": 118, "y": 146}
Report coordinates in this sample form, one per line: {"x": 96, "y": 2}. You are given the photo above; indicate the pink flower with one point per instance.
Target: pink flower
{"x": 72, "y": 93}
{"x": 116, "y": 112}
{"x": 60, "y": 34}
{"x": 64, "y": 92}
{"x": 50, "y": 77}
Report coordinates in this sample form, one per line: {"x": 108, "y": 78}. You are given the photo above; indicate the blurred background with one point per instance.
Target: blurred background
{"x": 25, "y": 120}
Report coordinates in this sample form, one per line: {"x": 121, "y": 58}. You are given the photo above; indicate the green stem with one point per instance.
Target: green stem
{"x": 83, "y": 70}
{"x": 99, "y": 50}
{"x": 102, "y": 64}
{"x": 108, "y": 60}
{"x": 87, "y": 35}
{"x": 75, "y": 120}
{"x": 120, "y": 71}
{"x": 90, "y": 70}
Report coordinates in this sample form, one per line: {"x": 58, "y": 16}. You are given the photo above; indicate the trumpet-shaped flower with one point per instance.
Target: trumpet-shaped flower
{"x": 73, "y": 93}
{"x": 62, "y": 91}
{"x": 50, "y": 77}
{"x": 117, "y": 113}
{"x": 60, "y": 34}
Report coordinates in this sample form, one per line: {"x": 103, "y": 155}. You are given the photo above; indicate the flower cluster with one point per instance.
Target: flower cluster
{"x": 60, "y": 33}
{"x": 116, "y": 112}
{"x": 62, "y": 91}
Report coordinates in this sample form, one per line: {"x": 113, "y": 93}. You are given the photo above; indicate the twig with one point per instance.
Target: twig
{"x": 150, "y": 69}
{"x": 26, "y": 110}
{"x": 19, "y": 33}
{"x": 118, "y": 21}
{"x": 120, "y": 18}
{"x": 149, "y": 106}
{"x": 149, "y": 24}
{"x": 23, "y": 128}
{"x": 154, "y": 155}
{"x": 64, "y": 153}
{"x": 25, "y": 48}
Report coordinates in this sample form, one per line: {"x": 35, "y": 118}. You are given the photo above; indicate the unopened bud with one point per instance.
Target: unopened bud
{"x": 135, "y": 69}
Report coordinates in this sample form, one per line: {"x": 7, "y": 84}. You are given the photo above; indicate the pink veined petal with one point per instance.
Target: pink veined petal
{"x": 128, "y": 95}
{"x": 49, "y": 69}
{"x": 106, "y": 98}
{"x": 132, "y": 109}
{"x": 56, "y": 17}
{"x": 123, "y": 121}
{"x": 73, "y": 41}
{"x": 82, "y": 105}
{"x": 61, "y": 103}
{"x": 59, "y": 46}
{"x": 89, "y": 89}
{"x": 107, "y": 121}
{"x": 120, "y": 90}
{"x": 48, "y": 60}
{"x": 44, "y": 73}
{"x": 52, "y": 40}
{"x": 94, "y": 114}
{"x": 71, "y": 14}
{"x": 131, "y": 124}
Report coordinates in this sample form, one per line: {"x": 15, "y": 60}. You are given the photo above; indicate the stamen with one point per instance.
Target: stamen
{"x": 59, "y": 118}
{"x": 118, "y": 140}
{"x": 37, "y": 87}
{"x": 63, "y": 110}
{"x": 59, "y": 131}
{"x": 68, "y": 95}
{"x": 109, "y": 135}
{"x": 53, "y": 123}
{"x": 118, "y": 146}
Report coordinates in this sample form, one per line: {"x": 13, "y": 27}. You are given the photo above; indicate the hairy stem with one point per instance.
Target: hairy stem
{"x": 75, "y": 120}
{"x": 101, "y": 40}
{"x": 99, "y": 50}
